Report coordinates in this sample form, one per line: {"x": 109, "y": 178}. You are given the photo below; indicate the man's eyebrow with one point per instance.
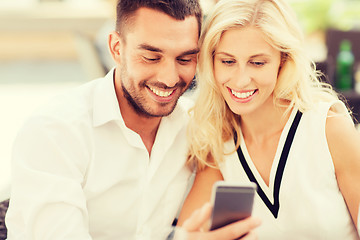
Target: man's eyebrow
{"x": 155, "y": 49}
{"x": 149, "y": 48}
{"x": 190, "y": 52}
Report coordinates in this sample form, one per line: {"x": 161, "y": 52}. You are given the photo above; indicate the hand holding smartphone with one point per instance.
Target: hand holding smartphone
{"x": 231, "y": 202}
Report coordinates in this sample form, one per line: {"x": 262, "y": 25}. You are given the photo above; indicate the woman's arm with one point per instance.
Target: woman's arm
{"x": 196, "y": 213}
{"x": 200, "y": 192}
{"x": 242, "y": 229}
{"x": 344, "y": 144}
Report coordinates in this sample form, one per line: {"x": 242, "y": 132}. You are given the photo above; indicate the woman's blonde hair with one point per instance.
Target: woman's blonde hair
{"x": 213, "y": 122}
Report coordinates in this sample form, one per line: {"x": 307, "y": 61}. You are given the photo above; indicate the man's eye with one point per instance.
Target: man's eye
{"x": 148, "y": 59}
{"x": 184, "y": 60}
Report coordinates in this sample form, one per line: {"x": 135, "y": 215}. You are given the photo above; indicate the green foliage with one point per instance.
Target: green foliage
{"x": 313, "y": 14}
{"x": 319, "y": 15}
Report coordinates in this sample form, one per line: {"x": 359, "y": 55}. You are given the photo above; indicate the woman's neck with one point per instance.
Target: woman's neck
{"x": 265, "y": 122}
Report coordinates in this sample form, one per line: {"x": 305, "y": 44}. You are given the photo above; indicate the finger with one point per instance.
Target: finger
{"x": 237, "y": 229}
{"x": 198, "y": 218}
{"x": 189, "y": 224}
{"x": 211, "y": 236}
{"x": 250, "y": 236}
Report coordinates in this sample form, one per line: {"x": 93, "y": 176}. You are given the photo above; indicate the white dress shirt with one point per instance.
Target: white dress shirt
{"x": 79, "y": 173}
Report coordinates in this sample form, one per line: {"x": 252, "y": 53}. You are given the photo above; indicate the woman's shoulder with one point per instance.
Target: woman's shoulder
{"x": 342, "y": 136}
{"x": 322, "y": 110}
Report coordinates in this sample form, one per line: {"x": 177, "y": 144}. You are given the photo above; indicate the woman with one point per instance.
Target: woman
{"x": 262, "y": 115}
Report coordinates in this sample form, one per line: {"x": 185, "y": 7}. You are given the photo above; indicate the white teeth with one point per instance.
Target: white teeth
{"x": 242, "y": 94}
{"x": 161, "y": 93}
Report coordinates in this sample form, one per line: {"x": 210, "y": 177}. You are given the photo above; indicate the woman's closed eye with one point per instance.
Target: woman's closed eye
{"x": 258, "y": 63}
{"x": 228, "y": 62}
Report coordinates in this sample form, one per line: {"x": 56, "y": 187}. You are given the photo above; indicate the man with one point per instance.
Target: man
{"x": 107, "y": 160}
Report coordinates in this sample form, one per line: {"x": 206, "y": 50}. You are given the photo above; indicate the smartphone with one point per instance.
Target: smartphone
{"x": 231, "y": 202}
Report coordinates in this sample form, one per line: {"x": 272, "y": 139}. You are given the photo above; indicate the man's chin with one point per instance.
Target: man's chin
{"x": 159, "y": 114}
{"x": 162, "y": 111}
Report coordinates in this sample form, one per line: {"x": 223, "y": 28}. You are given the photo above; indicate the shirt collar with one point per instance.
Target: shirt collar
{"x": 180, "y": 115}
{"x": 106, "y": 106}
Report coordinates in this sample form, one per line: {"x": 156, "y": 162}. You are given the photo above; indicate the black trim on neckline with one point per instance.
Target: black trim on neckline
{"x": 274, "y": 208}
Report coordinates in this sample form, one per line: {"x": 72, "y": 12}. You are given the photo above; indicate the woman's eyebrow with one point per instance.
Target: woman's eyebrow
{"x": 252, "y": 56}
{"x": 260, "y": 55}
{"x": 224, "y": 53}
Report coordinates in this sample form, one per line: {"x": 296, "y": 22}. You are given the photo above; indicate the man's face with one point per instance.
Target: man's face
{"x": 158, "y": 61}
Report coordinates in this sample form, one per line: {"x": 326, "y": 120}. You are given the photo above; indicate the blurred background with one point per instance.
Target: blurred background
{"x": 50, "y": 46}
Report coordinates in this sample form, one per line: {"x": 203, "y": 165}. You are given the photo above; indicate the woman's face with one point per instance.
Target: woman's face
{"x": 246, "y": 69}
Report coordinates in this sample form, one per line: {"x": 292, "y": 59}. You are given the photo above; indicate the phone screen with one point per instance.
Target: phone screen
{"x": 231, "y": 202}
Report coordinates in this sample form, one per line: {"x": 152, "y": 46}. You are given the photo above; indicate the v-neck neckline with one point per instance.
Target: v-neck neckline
{"x": 270, "y": 194}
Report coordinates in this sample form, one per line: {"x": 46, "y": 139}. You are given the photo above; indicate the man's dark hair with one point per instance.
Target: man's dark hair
{"x": 178, "y": 9}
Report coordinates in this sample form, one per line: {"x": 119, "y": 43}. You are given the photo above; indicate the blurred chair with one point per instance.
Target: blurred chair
{"x": 93, "y": 52}
{"x": 3, "y": 209}
{"x": 89, "y": 56}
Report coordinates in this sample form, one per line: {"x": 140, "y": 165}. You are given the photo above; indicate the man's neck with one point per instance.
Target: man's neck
{"x": 146, "y": 127}
{"x": 143, "y": 125}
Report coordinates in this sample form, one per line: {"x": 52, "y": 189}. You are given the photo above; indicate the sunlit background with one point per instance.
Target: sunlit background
{"x": 50, "y": 46}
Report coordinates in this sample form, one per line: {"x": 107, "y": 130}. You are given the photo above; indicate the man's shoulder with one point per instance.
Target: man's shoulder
{"x": 186, "y": 103}
{"x": 69, "y": 105}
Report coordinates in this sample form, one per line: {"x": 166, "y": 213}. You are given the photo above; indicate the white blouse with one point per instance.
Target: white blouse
{"x": 303, "y": 200}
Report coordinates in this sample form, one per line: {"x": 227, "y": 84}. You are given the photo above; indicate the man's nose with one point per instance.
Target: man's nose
{"x": 168, "y": 73}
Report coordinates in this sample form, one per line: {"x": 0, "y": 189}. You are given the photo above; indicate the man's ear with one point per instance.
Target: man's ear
{"x": 114, "y": 43}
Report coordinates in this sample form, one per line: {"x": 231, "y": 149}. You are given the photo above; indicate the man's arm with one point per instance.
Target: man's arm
{"x": 47, "y": 200}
